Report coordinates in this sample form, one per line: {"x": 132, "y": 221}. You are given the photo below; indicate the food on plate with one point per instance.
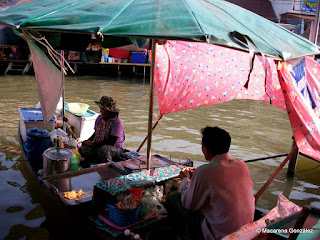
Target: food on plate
{"x": 74, "y": 194}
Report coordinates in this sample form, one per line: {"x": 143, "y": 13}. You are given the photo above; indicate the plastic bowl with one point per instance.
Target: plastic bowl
{"x": 78, "y": 108}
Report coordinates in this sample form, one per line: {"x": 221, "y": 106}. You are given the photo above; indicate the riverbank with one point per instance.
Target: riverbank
{"x": 140, "y": 70}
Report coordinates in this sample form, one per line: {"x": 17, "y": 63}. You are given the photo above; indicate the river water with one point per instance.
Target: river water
{"x": 257, "y": 130}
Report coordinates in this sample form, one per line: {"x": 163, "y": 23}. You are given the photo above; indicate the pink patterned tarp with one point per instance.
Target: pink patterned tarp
{"x": 190, "y": 75}
{"x": 303, "y": 101}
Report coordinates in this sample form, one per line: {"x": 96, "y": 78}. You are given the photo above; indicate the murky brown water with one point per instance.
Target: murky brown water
{"x": 257, "y": 130}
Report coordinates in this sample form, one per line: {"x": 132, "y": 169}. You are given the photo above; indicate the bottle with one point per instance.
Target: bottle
{"x": 57, "y": 142}
{"x": 137, "y": 237}
{"x": 128, "y": 235}
{"x": 74, "y": 165}
{"x": 61, "y": 145}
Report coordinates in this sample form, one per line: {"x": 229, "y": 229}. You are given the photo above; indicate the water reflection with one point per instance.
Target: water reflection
{"x": 257, "y": 130}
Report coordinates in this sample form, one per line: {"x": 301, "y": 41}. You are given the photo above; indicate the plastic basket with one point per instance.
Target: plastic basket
{"x": 138, "y": 57}
{"x": 123, "y": 217}
{"x": 78, "y": 108}
{"x": 119, "y": 53}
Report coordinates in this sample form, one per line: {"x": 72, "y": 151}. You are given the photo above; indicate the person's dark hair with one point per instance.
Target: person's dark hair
{"x": 216, "y": 140}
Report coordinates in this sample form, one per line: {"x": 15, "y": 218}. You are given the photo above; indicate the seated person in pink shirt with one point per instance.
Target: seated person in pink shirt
{"x": 106, "y": 143}
{"x": 220, "y": 190}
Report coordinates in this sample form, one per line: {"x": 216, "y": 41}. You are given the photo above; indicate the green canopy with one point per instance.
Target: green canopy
{"x": 215, "y": 21}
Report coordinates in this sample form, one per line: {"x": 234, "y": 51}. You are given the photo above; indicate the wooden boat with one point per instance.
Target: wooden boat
{"x": 83, "y": 213}
{"x": 78, "y": 218}
{"x": 225, "y": 37}
{"x": 82, "y": 218}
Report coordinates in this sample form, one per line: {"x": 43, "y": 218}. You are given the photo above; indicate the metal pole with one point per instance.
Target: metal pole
{"x": 151, "y": 103}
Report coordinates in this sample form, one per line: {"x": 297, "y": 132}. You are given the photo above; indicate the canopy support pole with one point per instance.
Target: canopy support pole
{"x": 300, "y": 222}
{"x": 63, "y": 92}
{"x": 266, "y": 158}
{"x": 151, "y": 103}
{"x": 143, "y": 142}
{"x": 264, "y": 187}
{"x": 293, "y": 160}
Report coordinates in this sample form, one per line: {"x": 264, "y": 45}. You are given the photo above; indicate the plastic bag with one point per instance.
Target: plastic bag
{"x": 155, "y": 192}
{"x": 59, "y": 133}
{"x": 151, "y": 205}
{"x": 130, "y": 201}
{"x": 283, "y": 209}
{"x": 151, "y": 202}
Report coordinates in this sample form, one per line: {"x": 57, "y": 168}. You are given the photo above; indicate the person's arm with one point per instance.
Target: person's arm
{"x": 92, "y": 136}
{"x": 111, "y": 140}
{"x": 89, "y": 142}
{"x": 116, "y": 132}
{"x": 194, "y": 192}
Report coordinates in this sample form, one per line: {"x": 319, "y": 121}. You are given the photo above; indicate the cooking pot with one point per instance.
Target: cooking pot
{"x": 56, "y": 160}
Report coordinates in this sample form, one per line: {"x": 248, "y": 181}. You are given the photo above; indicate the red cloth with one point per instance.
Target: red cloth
{"x": 119, "y": 53}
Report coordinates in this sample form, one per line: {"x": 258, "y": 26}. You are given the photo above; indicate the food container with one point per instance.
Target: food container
{"x": 56, "y": 160}
{"x": 83, "y": 124}
{"x": 78, "y": 108}
{"x": 38, "y": 140}
{"x": 32, "y": 117}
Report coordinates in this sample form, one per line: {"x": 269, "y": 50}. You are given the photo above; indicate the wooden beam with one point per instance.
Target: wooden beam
{"x": 293, "y": 160}
{"x": 143, "y": 142}
{"x": 264, "y": 187}
{"x": 299, "y": 223}
{"x": 151, "y": 104}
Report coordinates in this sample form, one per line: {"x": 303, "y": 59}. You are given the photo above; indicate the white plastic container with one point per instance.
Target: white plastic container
{"x": 32, "y": 117}
{"x": 83, "y": 125}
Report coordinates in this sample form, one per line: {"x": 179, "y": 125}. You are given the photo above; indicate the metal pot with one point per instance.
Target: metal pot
{"x": 56, "y": 160}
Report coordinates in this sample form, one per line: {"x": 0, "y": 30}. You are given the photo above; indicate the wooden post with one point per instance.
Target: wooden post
{"x": 300, "y": 221}
{"x": 154, "y": 126}
{"x": 315, "y": 29}
{"x": 63, "y": 93}
{"x": 151, "y": 103}
{"x": 264, "y": 187}
{"x": 312, "y": 32}
{"x": 293, "y": 160}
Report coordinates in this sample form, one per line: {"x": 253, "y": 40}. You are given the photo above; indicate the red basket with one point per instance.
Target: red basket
{"x": 119, "y": 53}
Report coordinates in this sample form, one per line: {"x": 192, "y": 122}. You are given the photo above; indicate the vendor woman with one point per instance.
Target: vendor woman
{"x": 106, "y": 143}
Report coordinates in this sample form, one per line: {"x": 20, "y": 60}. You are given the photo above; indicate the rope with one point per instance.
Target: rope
{"x": 246, "y": 41}
{"x": 100, "y": 35}
{"x": 53, "y": 54}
